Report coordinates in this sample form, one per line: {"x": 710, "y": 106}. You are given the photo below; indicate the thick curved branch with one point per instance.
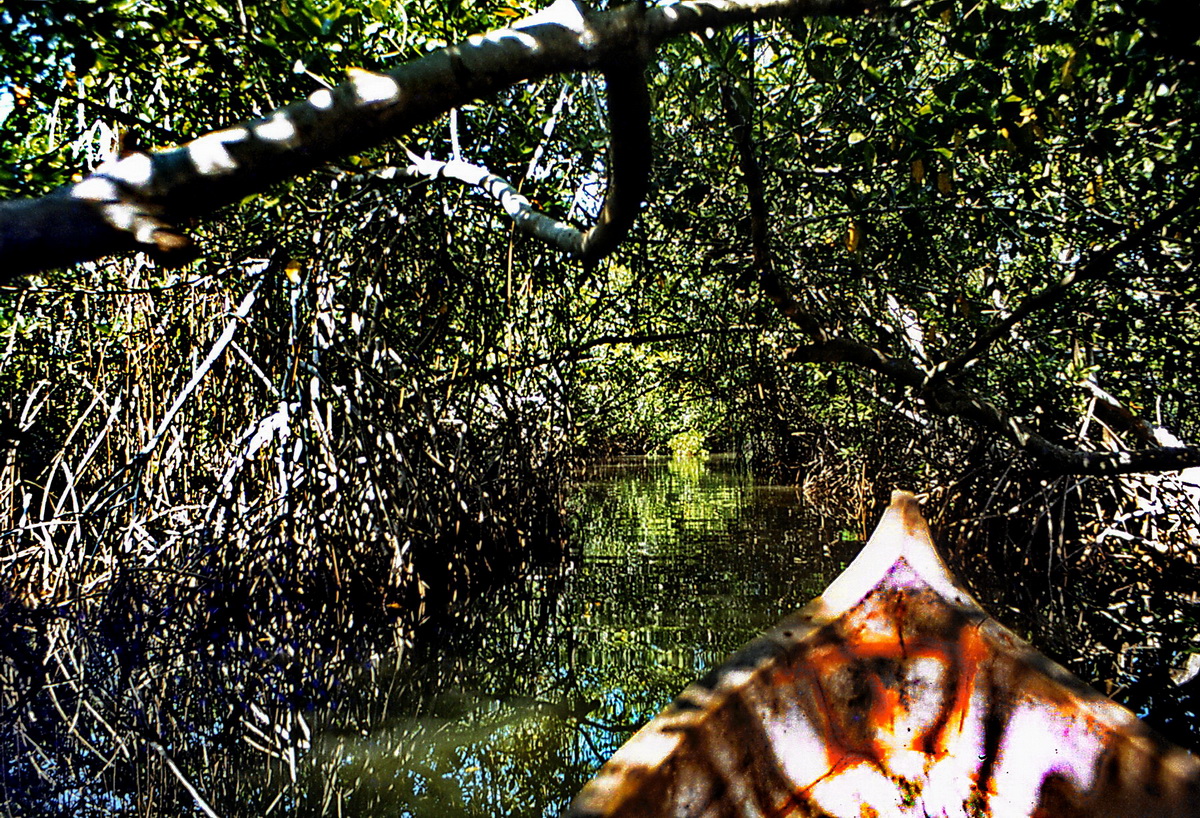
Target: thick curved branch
{"x": 772, "y": 284}
{"x": 133, "y": 202}
{"x": 628, "y": 175}
{"x": 628, "y": 160}
{"x": 948, "y": 400}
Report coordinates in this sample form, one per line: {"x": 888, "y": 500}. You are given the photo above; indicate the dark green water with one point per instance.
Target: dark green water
{"x": 510, "y": 704}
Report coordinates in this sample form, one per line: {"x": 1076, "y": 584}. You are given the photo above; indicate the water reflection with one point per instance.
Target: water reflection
{"x": 509, "y": 705}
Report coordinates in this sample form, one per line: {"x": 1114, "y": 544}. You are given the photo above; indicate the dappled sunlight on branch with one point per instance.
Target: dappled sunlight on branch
{"x": 629, "y": 122}
{"x": 136, "y": 202}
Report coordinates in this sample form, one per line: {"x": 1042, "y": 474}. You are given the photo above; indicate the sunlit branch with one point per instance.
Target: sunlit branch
{"x": 629, "y": 175}
{"x": 136, "y": 202}
{"x": 518, "y": 207}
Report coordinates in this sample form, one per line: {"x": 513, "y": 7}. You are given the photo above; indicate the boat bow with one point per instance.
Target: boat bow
{"x": 893, "y": 693}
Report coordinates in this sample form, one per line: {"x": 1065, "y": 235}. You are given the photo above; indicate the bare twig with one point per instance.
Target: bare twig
{"x": 187, "y": 785}
{"x": 116, "y": 114}
{"x": 214, "y": 353}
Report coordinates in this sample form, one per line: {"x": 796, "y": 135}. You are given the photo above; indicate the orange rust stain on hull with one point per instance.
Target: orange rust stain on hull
{"x": 893, "y": 694}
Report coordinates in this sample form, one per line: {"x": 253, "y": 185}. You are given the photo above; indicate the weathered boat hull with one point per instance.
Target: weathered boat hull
{"x": 893, "y": 694}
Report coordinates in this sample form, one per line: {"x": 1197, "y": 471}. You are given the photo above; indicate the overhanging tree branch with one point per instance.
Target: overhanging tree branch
{"x": 628, "y": 167}
{"x": 949, "y": 400}
{"x": 772, "y": 284}
{"x": 136, "y": 201}
{"x": 935, "y": 388}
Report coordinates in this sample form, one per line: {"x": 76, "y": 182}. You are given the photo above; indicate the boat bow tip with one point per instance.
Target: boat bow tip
{"x": 902, "y": 534}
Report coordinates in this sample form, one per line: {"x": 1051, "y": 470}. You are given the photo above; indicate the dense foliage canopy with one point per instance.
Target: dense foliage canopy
{"x": 948, "y": 244}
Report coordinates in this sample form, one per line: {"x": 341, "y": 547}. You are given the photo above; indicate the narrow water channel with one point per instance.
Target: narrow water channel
{"x": 508, "y": 706}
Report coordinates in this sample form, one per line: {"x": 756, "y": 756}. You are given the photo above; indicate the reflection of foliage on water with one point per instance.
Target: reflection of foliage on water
{"x": 686, "y": 561}
{"x": 479, "y": 717}
{"x": 507, "y": 706}
{"x": 668, "y": 504}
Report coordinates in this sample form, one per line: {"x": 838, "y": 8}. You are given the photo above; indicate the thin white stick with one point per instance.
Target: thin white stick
{"x": 213, "y": 354}
{"x": 187, "y": 785}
